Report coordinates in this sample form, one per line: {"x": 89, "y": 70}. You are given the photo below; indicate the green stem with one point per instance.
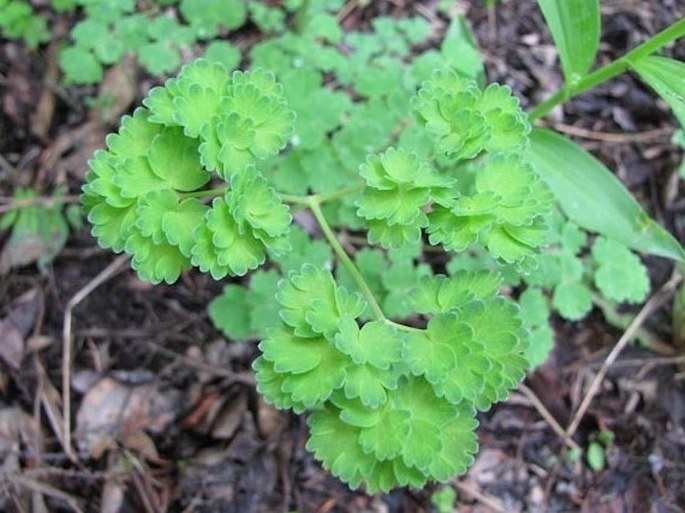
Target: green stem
{"x": 611, "y": 70}
{"x": 320, "y": 198}
{"x": 292, "y": 198}
{"x": 334, "y": 195}
{"x": 315, "y": 207}
{"x": 207, "y": 193}
{"x": 403, "y": 327}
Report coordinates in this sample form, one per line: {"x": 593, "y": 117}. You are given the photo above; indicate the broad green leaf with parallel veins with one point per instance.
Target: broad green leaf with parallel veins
{"x": 666, "y": 76}
{"x": 575, "y": 27}
{"x": 607, "y": 207}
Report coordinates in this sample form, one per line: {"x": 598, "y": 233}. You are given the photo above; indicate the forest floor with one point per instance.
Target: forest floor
{"x": 163, "y": 409}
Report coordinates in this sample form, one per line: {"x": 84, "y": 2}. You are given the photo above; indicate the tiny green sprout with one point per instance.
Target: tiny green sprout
{"x": 444, "y": 499}
{"x": 596, "y": 451}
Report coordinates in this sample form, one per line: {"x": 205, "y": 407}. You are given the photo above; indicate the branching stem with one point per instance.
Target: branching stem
{"x": 611, "y": 70}
{"x": 314, "y": 205}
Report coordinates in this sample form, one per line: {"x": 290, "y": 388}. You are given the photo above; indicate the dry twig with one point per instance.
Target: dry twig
{"x": 653, "y": 304}
{"x": 67, "y": 344}
{"x": 549, "y": 418}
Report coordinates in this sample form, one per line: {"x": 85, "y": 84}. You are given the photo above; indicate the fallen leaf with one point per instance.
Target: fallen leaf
{"x": 231, "y": 417}
{"x": 112, "y": 411}
{"x": 16, "y": 326}
{"x": 11, "y": 345}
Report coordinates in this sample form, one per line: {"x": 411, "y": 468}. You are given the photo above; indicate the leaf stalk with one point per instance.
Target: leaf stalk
{"x": 609, "y": 71}
{"x": 314, "y": 205}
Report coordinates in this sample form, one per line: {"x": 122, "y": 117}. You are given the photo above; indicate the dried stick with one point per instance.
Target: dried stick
{"x": 67, "y": 343}
{"x": 544, "y": 412}
{"x": 653, "y": 304}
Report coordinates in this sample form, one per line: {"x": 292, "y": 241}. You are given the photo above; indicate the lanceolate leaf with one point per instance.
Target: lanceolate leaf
{"x": 667, "y": 77}
{"x": 592, "y": 197}
{"x": 575, "y": 27}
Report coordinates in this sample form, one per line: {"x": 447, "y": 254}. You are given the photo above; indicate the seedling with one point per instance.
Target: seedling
{"x": 391, "y": 357}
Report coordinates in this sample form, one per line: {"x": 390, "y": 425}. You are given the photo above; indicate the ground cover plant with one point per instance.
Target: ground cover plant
{"x": 398, "y": 235}
{"x": 392, "y": 403}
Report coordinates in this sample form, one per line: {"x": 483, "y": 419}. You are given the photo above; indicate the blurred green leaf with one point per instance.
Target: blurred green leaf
{"x": 592, "y": 197}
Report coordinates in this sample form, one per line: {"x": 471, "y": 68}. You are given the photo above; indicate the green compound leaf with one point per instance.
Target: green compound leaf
{"x": 304, "y": 250}
{"x": 135, "y": 177}
{"x": 159, "y": 57}
{"x": 179, "y": 224}
{"x": 88, "y": 32}
{"x": 607, "y": 207}
{"x": 80, "y": 66}
{"x": 370, "y": 384}
{"x": 489, "y": 355}
{"x": 319, "y": 110}
{"x": 252, "y": 201}
{"x": 111, "y": 225}
{"x": 575, "y": 27}
{"x": 270, "y": 385}
{"x": 466, "y": 120}
{"x": 535, "y": 316}
{"x": 292, "y": 354}
{"x": 237, "y": 251}
{"x": 151, "y": 209}
{"x": 430, "y": 358}
{"x": 206, "y": 16}
{"x": 223, "y": 52}
{"x": 377, "y": 343}
{"x": 572, "y": 299}
{"x": 507, "y": 124}
{"x": 505, "y": 214}
{"x": 230, "y": 312}
{"x": 257, "y": 95}
{"x": 399, "y": 186}
{"x": 384, "y": 443}
{"x": 312, "y": 302}
{"x": 442, "y": 294}
{"x": 155, "y": 262}
{"x": 335, "y": 443}
{"x": 314, "y": 387}
{"x": 135, "y": 135}
{"x": 101, "y": 180}
{"x": 174, "y": 157}
{"x": 620, "y": 275}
